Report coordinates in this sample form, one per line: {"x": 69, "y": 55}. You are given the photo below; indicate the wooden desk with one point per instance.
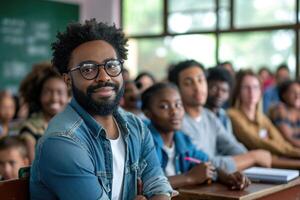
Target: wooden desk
{"x": 289, "y": 191}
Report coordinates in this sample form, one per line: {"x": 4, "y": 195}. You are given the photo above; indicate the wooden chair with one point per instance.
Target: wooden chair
{"x": 16, "y": 189}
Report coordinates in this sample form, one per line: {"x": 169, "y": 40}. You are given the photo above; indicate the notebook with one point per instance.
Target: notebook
{"x": 270, "y": 175}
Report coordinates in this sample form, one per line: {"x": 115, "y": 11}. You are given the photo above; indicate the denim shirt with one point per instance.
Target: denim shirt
{"x": 183, "y": 148}
{"x": 74, "y": 159}
{"x": 270, "y": 98}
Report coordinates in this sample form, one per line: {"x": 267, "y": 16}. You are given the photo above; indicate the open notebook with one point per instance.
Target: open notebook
{"x": 270, "y": 175}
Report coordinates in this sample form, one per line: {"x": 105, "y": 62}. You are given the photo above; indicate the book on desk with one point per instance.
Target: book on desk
{"x": 270, "y": 175}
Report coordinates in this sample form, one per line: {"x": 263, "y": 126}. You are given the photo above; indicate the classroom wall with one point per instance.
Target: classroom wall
{"x": 103, "y": 10}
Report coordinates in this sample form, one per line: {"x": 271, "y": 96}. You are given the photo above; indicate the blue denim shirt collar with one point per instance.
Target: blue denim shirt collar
{"x": 94, "y": 126}
{"x": 180, "y": 146}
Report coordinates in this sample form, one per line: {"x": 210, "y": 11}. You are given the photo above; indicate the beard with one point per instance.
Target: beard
{"x": 103, "y": 107}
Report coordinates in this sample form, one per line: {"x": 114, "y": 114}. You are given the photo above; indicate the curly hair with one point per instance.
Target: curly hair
{"x": 283, "y": 88}
{"x": 219, "y": 74}
{"x": 32, "y": 85}
{"x": 77, "y": 34}
{"x": 174, "y": 71}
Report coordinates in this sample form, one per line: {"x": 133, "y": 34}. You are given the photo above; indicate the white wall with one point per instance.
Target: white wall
{"x": 103, "y": 10}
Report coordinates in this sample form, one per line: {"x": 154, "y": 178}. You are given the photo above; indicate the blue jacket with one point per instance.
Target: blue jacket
{"x": 270, "y": 98}
{"x": 183, "y": 148}
{"x": 74, "y": 159}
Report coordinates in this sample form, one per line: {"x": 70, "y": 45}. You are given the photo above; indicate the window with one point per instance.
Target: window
{"x": 266, "y": 12}
{"x": 155, "y": 55}
{"x": 248, "y": 33}
{"x": 143, "y": 17}
{"x": 190, "y": 15}
{"x": 257, "y": 49}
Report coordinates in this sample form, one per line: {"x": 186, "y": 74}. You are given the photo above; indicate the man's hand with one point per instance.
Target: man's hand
{"x": 200, "y": 173}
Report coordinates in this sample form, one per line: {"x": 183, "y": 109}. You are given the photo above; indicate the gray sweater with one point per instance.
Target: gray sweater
{"x": 209, "y": 135}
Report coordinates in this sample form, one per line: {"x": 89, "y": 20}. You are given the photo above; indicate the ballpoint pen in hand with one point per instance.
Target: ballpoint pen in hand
{"x": 197, "y": 161}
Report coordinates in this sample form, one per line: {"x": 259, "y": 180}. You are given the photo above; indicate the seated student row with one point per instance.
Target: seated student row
{"x": 55, "y": 150}
{"x": 221, "y": 157}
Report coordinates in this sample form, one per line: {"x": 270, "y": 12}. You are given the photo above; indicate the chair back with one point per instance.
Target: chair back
{"x": 16, "y": 189}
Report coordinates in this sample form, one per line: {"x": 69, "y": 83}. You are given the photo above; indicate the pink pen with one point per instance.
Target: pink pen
{"x": 193, "y": 160}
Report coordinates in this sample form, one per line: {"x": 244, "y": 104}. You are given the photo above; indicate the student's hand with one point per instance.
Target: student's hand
{"x": 200, "y": 173}
{"x": 262, "y": 157}
{"x": 234, "y": 181}
{"x": 140, "y": 197}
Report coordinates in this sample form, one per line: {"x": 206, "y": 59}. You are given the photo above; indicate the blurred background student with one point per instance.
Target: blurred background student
{"x": 266, "y": 77}
{"x": 270, "y": 95}
{"x": 131, "y": 100}
{"x": 13, "y": 156}
{"x": 144, "y": 80}
{"x": 7, "y": 112}
{"x": 250, "y": 125}
{"x": 46, "y": 94}
{"x": 286, "y": 114}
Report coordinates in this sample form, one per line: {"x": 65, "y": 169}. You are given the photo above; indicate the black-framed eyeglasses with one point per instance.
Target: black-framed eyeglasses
{"x": 90, "y": 70}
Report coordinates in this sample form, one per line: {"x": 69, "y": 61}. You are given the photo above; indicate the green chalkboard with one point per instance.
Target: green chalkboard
{"x": 27, "y": 29}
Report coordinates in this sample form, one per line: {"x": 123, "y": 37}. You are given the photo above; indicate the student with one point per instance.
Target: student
{"x": 46, "y": 94}
{"x": 7, "y": 112}
{"x": 227, "y": 65}
{"x": 250, "y": 125}
{"x": 219, "y": 83}
{"x": 266, "y": 77}
{"x": 270, "y": 96}
{"x": 13, "y": 156}
{"x": 144, "y": 80}
{"x": 286, "y": 114}
{"x": 132, "y": 99}
{"x": 125, "y": 74}
{"x": 93, "y": 149}
{"x": 162, "y": 104}
{"x": 204, "y": 128}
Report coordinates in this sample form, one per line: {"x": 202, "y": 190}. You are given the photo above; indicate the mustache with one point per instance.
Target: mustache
{"x": 92, "y": 88}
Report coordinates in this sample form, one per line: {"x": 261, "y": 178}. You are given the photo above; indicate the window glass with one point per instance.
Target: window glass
{"x": 191, "y": 15}
{"x": 264, "y": 12}
{"x": 155, "y": 55}
{"x": 256, "y": 49}
{"x": 143, "y": 17}
{"x": 224, "y": 14}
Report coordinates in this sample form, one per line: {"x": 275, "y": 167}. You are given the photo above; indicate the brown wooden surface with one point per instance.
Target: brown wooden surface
{"x": 17, "y": 189}
{"x": 254, "y": 191}
{"x": 285, "y": 163}
{"x": 292, "y": 193}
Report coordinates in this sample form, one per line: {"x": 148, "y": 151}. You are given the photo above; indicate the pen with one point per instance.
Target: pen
{"x": 194, "y": 160}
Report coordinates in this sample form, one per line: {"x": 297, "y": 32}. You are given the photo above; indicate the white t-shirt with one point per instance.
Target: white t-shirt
{"x": 170, "y": 168}
{"x": 118, "y": 153}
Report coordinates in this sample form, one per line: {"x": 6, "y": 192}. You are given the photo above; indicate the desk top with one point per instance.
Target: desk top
{"x": 219, "y": 191}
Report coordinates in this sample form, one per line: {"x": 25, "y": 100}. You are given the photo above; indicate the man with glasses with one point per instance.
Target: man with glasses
{"x": 93, "y": 149}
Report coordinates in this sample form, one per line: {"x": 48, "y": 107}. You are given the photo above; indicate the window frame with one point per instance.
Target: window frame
{"x": 232, "y": 29}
